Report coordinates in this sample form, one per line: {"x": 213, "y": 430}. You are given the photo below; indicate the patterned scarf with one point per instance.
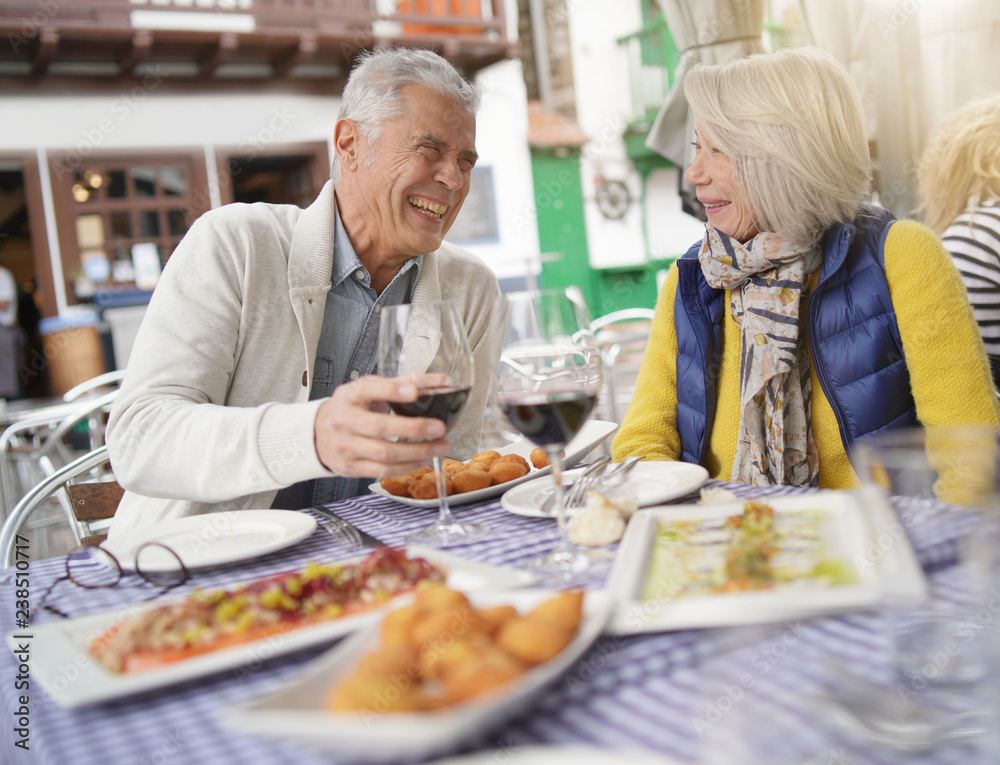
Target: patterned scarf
{"x": 775, "y": 443}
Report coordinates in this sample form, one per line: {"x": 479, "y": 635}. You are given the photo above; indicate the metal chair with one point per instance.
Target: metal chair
{"x": 91, "y": 504}
{"x": 110, "y": 379}
{"x": 37, "y": 446}
{"x": 622, "y": 336}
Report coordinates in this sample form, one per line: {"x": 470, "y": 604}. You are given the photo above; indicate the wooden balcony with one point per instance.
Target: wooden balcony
{"x": 239, "y": 39}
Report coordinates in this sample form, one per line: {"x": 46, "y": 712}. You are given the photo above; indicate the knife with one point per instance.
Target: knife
{"x": 367, "y": 540}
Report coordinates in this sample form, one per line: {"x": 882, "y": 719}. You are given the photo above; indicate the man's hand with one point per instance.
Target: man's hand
{"x": 353, "y": 428}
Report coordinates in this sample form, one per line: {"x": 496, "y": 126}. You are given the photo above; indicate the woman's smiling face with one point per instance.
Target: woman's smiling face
{"x": 711, "y": 174}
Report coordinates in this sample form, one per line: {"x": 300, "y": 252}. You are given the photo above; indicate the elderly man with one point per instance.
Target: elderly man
{"x": 251, "y": 382}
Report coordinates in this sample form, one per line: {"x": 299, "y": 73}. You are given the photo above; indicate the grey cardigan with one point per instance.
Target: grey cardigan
{"x": 214, "y": 412}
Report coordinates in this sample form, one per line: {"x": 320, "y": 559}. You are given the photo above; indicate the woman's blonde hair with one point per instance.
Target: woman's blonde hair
{"x": 960, "y": 167}
{"x": 792, "y": 125}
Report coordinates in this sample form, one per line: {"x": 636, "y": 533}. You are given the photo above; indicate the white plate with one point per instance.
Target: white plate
{"x": 648, "y": 483}
{"x": 213, "y": 539}
{"x": 590, "y": 437}
{"x": 847, "y": 533}
{"x": 64, "y": 643}
{"x": 296, "y": 713}
{"x": 556, "y": 754}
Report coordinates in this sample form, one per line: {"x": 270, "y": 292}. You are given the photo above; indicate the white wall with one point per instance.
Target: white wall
{"x": 604, "y": 106}
{"x": 149, "y": 115}
{"x": 502, "y": 143}
{"x": 671, "y": 230}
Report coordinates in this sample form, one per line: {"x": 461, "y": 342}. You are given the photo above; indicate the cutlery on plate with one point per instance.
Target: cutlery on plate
{"x": 621, "y": 470}
{"x": 590, "y": 473}
{"x": 578, "y": 495}
{"x": 346, "y": 533}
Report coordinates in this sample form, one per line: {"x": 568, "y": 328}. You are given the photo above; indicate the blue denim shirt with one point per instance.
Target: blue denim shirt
{"x": 347, "y": 349}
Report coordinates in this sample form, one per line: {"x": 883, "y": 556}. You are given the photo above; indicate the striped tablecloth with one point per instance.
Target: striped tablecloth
{"x": 676, "y": 694}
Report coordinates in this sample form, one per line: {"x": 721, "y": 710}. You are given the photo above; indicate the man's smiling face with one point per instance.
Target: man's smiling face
{"x": 413, "y": 180}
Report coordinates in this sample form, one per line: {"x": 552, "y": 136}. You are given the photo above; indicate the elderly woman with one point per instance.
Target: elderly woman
{"x": 805, "y": 320}
{"x": 960, "y": 186}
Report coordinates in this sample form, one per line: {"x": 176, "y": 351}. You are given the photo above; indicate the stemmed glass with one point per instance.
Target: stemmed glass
{"x": 430, "y": 337}
{"x": 548, "y": 381}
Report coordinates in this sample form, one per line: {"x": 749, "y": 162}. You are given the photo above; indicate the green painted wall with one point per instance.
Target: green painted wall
{"x": 562, "y": 230}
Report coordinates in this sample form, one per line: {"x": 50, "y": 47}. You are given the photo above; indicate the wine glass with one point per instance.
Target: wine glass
{"x": 430, "y": 337}
{"x": 548, "y": 381}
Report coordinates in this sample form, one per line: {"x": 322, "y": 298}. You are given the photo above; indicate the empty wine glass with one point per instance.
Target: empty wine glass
{"x": 430, "y": 337}
{"x": 548, "y": 381}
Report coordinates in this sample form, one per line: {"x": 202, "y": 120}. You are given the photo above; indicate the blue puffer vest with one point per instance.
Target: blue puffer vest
{"x": 852, "y": 330}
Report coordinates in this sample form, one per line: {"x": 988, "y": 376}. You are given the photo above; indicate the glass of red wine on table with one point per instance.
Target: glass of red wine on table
{"x": 548, "y": 381}
{"x": 430, "y": 337}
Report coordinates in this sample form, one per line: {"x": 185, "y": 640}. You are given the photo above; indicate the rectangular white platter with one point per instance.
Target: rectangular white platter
{"x": 65, "y": 643}
{"x": 296, "y": 713}
{"x": 850, "y": 525}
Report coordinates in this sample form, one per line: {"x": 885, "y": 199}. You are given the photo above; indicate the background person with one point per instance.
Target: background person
{"x": 805, "y": 320}
{"x": 10, "y": 337}
{"x": 252, "y": 371}
{"x": 960, "y": 188}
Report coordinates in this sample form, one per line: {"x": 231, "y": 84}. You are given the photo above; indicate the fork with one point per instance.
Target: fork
{"x": 345, "y": 534}
{"x": 578, "y": 492}
{"x": 593, "y": 470}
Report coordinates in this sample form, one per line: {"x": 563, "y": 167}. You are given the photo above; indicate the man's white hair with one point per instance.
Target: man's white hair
{"x": 374, "y": 89}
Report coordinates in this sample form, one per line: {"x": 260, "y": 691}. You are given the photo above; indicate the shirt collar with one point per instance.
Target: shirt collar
{"x": 346, "y": 262}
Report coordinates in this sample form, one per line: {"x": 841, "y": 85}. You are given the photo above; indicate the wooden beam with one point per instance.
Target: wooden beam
{"x": 285, "y": 62}
{"x": 224, "y": 49}
{"x": 48, "y": 44}
{"x": 142, "y": 47}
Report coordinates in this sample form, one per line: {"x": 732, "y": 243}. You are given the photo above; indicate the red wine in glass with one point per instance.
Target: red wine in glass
{"x": 548, "y": 381}
{"x": 429, "y": 337}
{"x": 444, "y": 403}
{"x": 550, "y": 418}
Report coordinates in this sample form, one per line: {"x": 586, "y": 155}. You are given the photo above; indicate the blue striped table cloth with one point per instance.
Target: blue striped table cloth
{"x": 664, "y": 693}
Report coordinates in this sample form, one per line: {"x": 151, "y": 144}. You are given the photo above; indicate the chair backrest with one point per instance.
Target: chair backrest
{"x": 94, "y": 502}
{"x": 622, "y": 336}
{"x": 41, "y": 443}
{"x": 97, "y": 502}
{"x": 622, "y": 316}
{"x": 110, "y": 379}
{"x": 54, "y": 452}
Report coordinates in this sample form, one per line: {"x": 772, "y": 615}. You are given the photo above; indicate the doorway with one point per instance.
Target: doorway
{"x": 290, "y": 174}
{"x": 18, "y": 250}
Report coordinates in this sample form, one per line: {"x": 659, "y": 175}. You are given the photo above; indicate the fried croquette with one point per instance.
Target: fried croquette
{"x": 539, "y": 457}
{"x": 397, "y": 626}
{"x": 440, "y": 650}
{"x": 495, "y": 617}
{"x": 487, "y": 457}
{"x": 390, "y": 660}
{"x": 435, "y": 595}
{"x": 398, "y": 486}
{"x": 425, "y": 487}
{"x": 439, "y": 659}
{"x": 471, "y": 479}
{"x": 566, "y": 609}
{"x": 517, "y": 459}
{"x": 492, "y": 669}
{"x": 444, "y": 625}
{"x": 533, "y": 640}
{"x": 451, "y": 466}
{"x": 502, "y": 471}
{"x": 376, "y": 693}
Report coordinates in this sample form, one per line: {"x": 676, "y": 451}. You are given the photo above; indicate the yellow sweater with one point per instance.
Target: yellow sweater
{"x": 949, "y": 373}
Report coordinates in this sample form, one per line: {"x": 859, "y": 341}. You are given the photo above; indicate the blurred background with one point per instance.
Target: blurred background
{"x": 122, "y": 121}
